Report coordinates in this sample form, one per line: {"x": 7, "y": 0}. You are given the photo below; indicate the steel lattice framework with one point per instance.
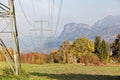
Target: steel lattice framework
{"x": 8, "y": 26}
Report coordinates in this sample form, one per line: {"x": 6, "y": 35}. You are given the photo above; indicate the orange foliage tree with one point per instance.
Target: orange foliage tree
{"x": 34, "y": 58}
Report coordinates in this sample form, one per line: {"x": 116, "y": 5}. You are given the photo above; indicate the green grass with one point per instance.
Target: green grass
{"x": 68, "y": 72}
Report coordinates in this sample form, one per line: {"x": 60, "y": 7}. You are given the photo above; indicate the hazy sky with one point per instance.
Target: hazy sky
{"x": 79, "y": 11}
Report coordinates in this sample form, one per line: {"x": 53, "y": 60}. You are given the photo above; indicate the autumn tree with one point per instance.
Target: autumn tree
{"x": 83, "y": 45}
{"x": 65, "y": 52}
{"x": 83, "y": 49}
{"x": 55, "y": 57}
{"x": 34, "y": 58}
{"x": 2, "y": 56}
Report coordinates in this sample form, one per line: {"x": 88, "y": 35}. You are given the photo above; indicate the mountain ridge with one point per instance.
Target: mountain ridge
{"x": 107, "y": 28}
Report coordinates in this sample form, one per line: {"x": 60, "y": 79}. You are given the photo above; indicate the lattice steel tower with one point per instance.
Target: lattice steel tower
{"x": 7, "y": 12}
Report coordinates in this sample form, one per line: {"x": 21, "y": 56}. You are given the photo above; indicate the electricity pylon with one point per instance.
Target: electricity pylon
{"x": 41, "y": 30}
{"x": 7, "y": 12}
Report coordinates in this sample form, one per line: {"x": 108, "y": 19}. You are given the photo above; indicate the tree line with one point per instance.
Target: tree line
{"x": 82, "y": 50}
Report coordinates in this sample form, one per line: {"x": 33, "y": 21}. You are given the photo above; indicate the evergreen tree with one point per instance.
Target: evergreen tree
{"x": 115, "y": 46}
{"x": 104, "y": 51}
{"x": 101, "y": 49}
{"x": 98, "y": 46}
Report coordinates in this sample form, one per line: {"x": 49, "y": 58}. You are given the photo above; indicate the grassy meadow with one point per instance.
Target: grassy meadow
{"x": 67, "y": 72}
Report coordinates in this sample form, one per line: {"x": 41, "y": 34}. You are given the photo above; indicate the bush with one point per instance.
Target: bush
{"x": 89, "y": 58}
{"x": 55, "y": 57}
{"x": 8, "y": 74}
{"x": 34, "y": 58}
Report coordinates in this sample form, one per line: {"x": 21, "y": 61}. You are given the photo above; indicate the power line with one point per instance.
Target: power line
{"x": 22, "y": 34}
{"x": 58, "y": 19}
{"x": 25, "y": 46}
{"x": 52, "y": 13}
{"x": 24, "y": 13}
{"x": 27, "y": 21}
{"x": 36, "y": 33}
{"x": 48, "y": 13}
{"x": 32, "y": 38}
{"x": 34, "y": 9}
{"x": 33, "y": 44}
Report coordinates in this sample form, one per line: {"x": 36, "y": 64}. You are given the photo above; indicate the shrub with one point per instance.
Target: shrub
{"x": 8, "y": 74}
{"x": 34, "y": 58}
{"x": 89, "y": 58}
{"x": 55, "y": 57}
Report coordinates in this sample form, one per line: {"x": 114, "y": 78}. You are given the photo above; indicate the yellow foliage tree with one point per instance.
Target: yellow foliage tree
{"x": 83, "y": 46}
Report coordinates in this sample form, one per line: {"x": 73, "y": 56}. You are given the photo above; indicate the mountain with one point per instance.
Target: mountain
{"x": 74, "y": 30}
{"x": 107, "y": 28}
{"x": 70, "y": 32}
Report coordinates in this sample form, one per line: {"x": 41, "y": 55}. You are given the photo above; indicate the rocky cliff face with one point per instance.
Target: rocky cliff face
{"x": 74, "y": 30}
{"x": 107, "y": 28}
